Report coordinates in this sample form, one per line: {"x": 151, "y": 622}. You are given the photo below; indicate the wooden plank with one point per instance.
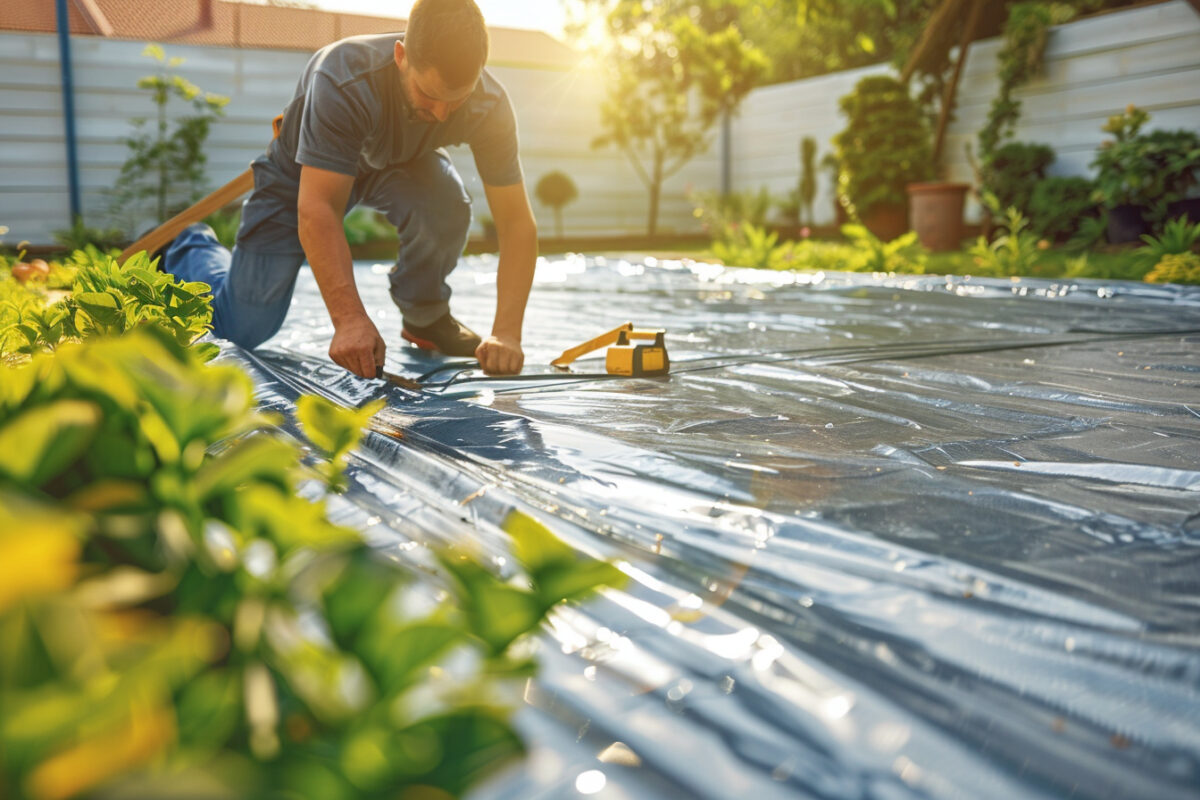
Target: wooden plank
{"x": 164, "y": 233}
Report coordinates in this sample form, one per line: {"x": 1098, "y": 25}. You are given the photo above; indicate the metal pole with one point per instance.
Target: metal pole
{"x": 68, "y": 92}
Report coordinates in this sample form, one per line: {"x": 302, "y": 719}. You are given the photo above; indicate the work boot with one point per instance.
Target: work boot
{"x": 446, "y": 335}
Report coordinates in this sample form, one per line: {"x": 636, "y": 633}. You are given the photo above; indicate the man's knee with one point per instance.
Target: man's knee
{"x": 443, "y": 214}
{"x": 452, "y": 221}
{"x": 256, "y": 297}
{"x": 246, "y": 331}
{"x": 428, "y": 200}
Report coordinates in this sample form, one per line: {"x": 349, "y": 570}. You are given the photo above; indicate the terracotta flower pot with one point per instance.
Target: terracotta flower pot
{"x": 936, "y": 214}
{"x": 887, "y": 222}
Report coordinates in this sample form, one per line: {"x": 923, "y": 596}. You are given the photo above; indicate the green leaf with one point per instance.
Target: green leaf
{"x": 396, "y": 656}
{"x": 38, "y": 444}
{"x": 102, "y": 307}
{"x": 356, "y": 595}
{"x": 289, "y": 521}
{"x": 536, "y": 547}
{"x": 567, "y": 582}
{"x": 334, "y": 429}
{"x": 470, "y": 743}
{"x": 497, "y": 612}
{"x": 558, "y": 572}
{"x": 260, "y": 459}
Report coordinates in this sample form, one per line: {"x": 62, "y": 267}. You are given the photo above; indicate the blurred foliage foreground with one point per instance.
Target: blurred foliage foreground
{"x": 178, "y": 615}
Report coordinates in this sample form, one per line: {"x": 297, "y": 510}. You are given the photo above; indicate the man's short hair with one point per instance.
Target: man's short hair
{"x": 449, "y": 36}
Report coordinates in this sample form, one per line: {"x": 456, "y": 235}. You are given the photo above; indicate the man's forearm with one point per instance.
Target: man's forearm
{"x": 324, "y": 241}
{"x": 514, "y": 277}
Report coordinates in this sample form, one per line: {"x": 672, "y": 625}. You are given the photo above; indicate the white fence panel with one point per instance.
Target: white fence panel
{"x": 557, "y": 110}
{"x": 1149, "y": 56}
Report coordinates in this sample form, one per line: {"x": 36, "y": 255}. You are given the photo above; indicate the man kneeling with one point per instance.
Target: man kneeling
{"x": 367, "y": 125}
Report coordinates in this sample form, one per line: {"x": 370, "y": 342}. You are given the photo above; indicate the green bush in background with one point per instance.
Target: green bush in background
{"x": 1148, "y": 170}
{"x": 1059, "y": 205}
{"x": 1014, "y": 171}
{"x": 884, "y": 147}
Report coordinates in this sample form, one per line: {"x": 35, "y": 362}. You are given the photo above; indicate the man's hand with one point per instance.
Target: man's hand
{"x": 500, "y": 356}
{"x": 358, "y": 347}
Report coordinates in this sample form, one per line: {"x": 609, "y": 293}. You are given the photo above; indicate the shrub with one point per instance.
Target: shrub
{"x": 748, "y": 245}
{"x": 1179, "y": 237}
{"x": 203, "y": 615}
{"x": 1059, "y": 205}
{"x": 1176, "y": 268}
{"x": 556, "y": 189}
{"x": 1017, "y": 251}
{"x": 871, "y": 254}
{"x": 1144, "y": 169}
{"x": 1092, "y": 231}
{"x": 884, "y": 147}
{"x": 80, "y": 236}
{"x": 720, "y": 214}
{"x": 166, "y": 159}
{"x": 806, "y": 190}
{"x": 1014, "y": 171}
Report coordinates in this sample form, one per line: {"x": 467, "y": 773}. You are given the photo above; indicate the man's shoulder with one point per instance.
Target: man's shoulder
{"x": 356, "y": 57}
{"x": 489, "y": 91}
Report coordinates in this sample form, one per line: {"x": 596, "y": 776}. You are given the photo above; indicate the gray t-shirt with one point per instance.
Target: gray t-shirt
{"x": 350, "y": 115}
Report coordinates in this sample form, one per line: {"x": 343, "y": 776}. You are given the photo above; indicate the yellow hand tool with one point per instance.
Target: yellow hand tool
{"x": 623, "y": 356}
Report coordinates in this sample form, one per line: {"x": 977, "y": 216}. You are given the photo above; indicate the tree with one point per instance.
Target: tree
{"x": 669, "y": 81}
{"x": 556, "y": 189}
{"x": 166, "y": 163}
{"x": 803, "y": 38}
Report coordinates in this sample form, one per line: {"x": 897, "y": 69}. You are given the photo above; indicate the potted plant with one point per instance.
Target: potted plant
{"x": 1140, "y": 174}
{"x": 885, "y": 146}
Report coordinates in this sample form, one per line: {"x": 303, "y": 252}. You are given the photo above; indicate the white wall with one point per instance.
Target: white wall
{"x": 558, "y": 115}
{"x": 1094, "y": 68}
{"x": 1149, "y": 56}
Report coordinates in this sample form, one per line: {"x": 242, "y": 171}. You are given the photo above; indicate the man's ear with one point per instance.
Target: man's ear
{"x": 400, "y": 54}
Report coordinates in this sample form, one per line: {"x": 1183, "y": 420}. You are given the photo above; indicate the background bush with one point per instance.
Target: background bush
{"x": 1059, "y": 205}
{"x": 1014, "y": 171}
{"x": 885, "y": 145}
